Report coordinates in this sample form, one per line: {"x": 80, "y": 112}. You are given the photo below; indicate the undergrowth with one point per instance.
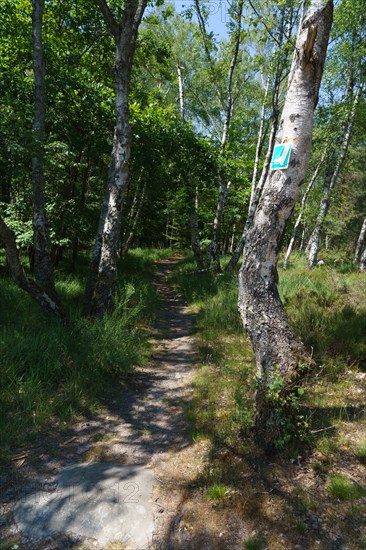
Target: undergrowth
{"x": 327, "y": 309}
{"x": 49, "y": 370}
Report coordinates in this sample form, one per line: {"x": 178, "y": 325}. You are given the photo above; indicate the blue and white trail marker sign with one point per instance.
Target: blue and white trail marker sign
{"x": 281, "y": 156}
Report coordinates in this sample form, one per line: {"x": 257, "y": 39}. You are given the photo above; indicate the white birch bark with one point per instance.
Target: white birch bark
{"x": 135, "y": 218}
{"x": 181, "y": 90}
{"x": 329, "y": 184}
{"x": 213, "y": 251}
{"x": 257, "y": 189}
{"x": 193, "y": 199}
{"x": 103, "y": 268}
{"x": 363, "y": 261}
{"x": 277, "y": 351}
{"x": 302, "y": 208}
{"x": 360, "y": 242}
{"x": 259, "y": 145}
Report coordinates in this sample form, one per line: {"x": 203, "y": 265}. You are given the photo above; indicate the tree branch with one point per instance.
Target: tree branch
{"x": 108, "y": 16}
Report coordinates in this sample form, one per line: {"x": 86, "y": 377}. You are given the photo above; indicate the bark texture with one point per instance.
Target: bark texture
{"x": 363, "y": 261}
{"x": 103, "y": 268}
{"x": 360, "y": 242}
{"x": 285, "y": 29}
{"x": 46, "y": 301}
{"x": 42, "y": 266}
{"x": 279, "y": 354}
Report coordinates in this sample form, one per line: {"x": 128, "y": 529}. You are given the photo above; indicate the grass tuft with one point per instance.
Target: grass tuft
{"x": 217, "y": 491}
{"x": 344, "y": 489}
{"x": 360, "y": 452}
{"x": 254, "y": 543}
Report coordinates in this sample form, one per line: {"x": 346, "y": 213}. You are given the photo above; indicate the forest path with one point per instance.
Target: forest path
{"x": 141, "y": 430}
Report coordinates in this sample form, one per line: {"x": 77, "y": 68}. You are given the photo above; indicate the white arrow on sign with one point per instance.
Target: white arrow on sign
{"x": 281, "y": 156}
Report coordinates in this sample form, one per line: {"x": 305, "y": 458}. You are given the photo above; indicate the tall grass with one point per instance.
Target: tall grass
{"x": 51, "y": 370}
{"x": 325, "y": 307}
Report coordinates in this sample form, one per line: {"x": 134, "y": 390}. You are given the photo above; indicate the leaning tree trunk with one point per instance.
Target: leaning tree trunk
{"x": 360, "y": 241}
{"x": 279, "y": 355}
{"x": 46, "y": 301}
{"x": 363, "y": 261}
{"x": 302, "y": 208}
{"x": 329, "y": 184}
{"x": 103, "y": 268}
{"x": 42, "y": 265}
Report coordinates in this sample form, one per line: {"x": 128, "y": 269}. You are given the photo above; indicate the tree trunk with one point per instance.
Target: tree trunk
{"x": 103, "y": 268}
{"x": 302, "y": 208}
{"x": 227, "y": 104}
{"x": 363, "y": 261}
{"x": 279, "y": 355}
{"x": 329, "y": 183}
{"x": 42, "y": 261}
{"x": 231, "y": 246}
{"x": 259, "y": 146}
{"x": 213, "y": 251}
{"x": 136, "y": 217}
{"x": 45, "y": 300}
{"x": 254, "y": 200}
{"x": 256, "y": 190}
{"x": 192, "y": 198}
{"x": 181, "y": 91}
{"x": 193, "y": 222}
{"x": 360, "y": 241}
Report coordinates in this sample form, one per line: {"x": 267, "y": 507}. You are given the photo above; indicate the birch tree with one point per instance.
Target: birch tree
{"x": 103, "y": 269}
{"x": 42, "y": 266}
{"x": 360, "y": 242}
{"x": 279, "y": 40}
{"x": 334, "y": 167}
{"x": 302, "y": 208}
{"x": 279, "y": 355}
{"x": 227, "y": 104}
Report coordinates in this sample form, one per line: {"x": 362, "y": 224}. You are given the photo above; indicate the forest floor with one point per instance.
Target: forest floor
{"x": 181, "y": 416}
{"x": 145, "y": 425}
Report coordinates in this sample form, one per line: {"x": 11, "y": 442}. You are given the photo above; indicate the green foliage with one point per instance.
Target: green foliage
{"x": 254, "y": 543}
{"x": 217, "y": 491}
{"x": 360, "y": 452}
{"x": 324, "y": 310}
{"x": 286, "y": 401}
{"x": 344, "y": 489}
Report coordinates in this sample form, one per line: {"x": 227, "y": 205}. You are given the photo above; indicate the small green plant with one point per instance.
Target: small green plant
{"x": 254, "y": 543}
{"x": 360, "y": 452}
{"x": 287, "y": 402}
{"x": 301, "y": 527}
{"x": 217, "y": 491}
{"x": 344, "y": 489}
